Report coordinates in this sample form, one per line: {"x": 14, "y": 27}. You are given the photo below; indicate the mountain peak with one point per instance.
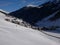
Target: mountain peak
{"x": 3, "y": 11}
{"x": 30, "y": 5}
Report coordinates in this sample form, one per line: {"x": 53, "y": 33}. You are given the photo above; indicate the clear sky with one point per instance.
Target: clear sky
{"x": 12, "y": 5}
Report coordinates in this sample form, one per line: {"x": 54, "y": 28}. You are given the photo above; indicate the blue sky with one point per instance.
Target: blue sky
{"x": 12, "y": 5}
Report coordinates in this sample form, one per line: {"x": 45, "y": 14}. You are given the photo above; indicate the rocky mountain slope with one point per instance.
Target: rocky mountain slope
{"x": 32, "y": 14}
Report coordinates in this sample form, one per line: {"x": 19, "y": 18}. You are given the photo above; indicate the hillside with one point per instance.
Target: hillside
{"x": 13, "y": 34}
{"x": 31, "y": 14}
{"x": 31, "y": 25}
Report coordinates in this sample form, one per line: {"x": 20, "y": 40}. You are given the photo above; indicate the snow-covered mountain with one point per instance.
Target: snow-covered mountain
{"x": 13, "y": 34}
{"x": 46, "y": 15}
{"x": 32, "y": 14}
{"x": 52, "y": 20}
{"x": 30, "y": 5}
{"x": 3, "y": 14}
{"x": 3, "y": 11}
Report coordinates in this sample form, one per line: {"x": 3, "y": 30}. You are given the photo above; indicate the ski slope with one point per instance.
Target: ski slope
{"x": 2, "y": 16}
{"x": 12, "y": 34}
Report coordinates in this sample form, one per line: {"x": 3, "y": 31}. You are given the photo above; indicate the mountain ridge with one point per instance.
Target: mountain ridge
{"x": 33, "y": 14}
